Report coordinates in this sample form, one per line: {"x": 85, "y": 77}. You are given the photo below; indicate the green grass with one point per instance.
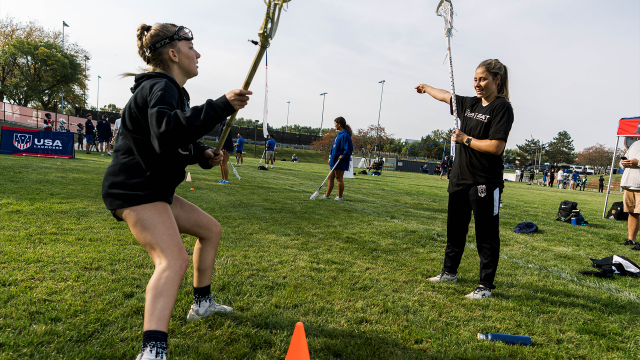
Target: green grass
{"x": 72, "y": 279}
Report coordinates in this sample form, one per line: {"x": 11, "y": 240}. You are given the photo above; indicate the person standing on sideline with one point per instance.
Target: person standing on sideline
{"x": 80, "y": 132}
{"x": 47, "y": 123}
{"x": 450, "y": 167}
{"x": 521, "y": 174}
{"x": 341, "y": 154}
{"x": 239, "y": 149}
{"x": 574, "y": 180}
{"x": 630, "y": 182}
{"x": 532, "y": 174}
{"x": 552, "y": 176}
{"x": 90, "y": 129}
{"x": 271, "y": 151}
{"x": 544, "y": 177}
{"x": 104, "y": 134}
{"x": 476, "y": 182}
{"x": 158, "y": 138}
{"x": 601, "y": 184}
{"x": 444, "y": 168}
{"x": 117, "y": 127}
{"x": 61, "y": 127}
{"x": 560, "y": 178}
{"x": 227, "y": 150}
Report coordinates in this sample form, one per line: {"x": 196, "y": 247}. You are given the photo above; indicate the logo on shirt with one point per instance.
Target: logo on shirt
{"x": 481, "y": 117}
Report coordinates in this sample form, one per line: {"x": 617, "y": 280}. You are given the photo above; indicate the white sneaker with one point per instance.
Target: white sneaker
{"x": 325, "y": 197}
{"x": 480, "y": 292}
{"x": 102, "y": 154}
{"x": 206, "y": 309}
{"x": 444, "y": 276}
{"x": 109, "y": 152}
{"x": 338, "y": 198}
{"x": 152, "y": 354}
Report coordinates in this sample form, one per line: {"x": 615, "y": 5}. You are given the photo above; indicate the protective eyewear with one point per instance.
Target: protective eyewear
{"x": 182, "y": 33}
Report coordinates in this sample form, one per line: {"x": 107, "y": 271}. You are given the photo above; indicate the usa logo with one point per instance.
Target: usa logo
{"x": 22, "y": 141}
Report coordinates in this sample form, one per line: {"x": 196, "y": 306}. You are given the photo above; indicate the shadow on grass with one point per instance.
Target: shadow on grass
{"x": 326, "y": 342}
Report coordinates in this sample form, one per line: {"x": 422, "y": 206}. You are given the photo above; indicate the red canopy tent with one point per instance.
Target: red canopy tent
{"x": 628, "y": 128}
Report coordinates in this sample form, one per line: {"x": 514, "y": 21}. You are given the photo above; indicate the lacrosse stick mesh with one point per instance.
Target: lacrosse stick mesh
{"x": 445, "y": 10}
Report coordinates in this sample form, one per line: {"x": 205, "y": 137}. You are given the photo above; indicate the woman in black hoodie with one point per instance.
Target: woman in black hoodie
{"x": 158, "y": 138}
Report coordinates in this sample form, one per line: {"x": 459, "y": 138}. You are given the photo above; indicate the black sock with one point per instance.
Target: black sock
{"x": 155, "y": 340}
{"x": 201, "y": 294}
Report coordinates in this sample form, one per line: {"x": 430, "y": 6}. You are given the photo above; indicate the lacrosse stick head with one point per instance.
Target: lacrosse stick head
{"x": 272, "y": 18}
{"x": 445, "y": 10}
{"x": 314, "y": 195}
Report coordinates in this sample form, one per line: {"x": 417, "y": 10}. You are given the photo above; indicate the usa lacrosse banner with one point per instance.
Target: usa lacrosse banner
{"x": 28, "y": 142}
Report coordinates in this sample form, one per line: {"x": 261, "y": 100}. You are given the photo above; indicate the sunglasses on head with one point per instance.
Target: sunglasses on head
{"x": 182, "y": 33}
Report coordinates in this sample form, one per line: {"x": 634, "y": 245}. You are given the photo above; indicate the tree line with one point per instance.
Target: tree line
{"x": 35, "y": 68}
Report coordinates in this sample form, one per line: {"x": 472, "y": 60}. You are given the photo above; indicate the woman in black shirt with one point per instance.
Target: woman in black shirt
{"x": 157, "y": 139}
{"x": 476, "y": 182}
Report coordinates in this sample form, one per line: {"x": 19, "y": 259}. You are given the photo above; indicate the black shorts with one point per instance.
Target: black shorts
{"x": 239, "y": 152}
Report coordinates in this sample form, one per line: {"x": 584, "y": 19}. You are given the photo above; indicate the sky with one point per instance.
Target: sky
{"x": 574, "y": 65}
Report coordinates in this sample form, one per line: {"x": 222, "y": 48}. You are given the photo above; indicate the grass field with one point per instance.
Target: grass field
{"x": 72, "y": 279}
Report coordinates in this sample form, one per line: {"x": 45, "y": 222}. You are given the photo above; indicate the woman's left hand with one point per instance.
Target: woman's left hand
{"x": 340, "y": 157}
{"x": 213, "y": 159}
{"x": 459, "y": 137}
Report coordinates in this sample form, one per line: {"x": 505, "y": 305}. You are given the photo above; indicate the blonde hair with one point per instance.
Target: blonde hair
{"x": 496, "y": 68}
{"x": 148, "y": 35}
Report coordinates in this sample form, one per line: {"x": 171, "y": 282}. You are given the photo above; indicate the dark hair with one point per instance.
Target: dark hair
{"x": 496, "y": 68}
{"x": 151, "y": 34}
{"x": 343, "y": 123}
{"x": 104, "y": 116}
{"x": 88, "y": 115}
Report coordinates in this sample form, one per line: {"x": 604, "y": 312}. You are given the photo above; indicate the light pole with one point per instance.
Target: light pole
{"x": 321, "y": 121}
{"x": 98, "y": 97}
{"x": 379, "y": 111}
{"x": 288, "y": 105}
{"x": 85, "y": 76}
{"x": 64, "y": 25}
{"x": 255, "y": 137}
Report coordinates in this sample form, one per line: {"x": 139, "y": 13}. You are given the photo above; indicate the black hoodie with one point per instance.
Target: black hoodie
{"x": 158, "y": 138}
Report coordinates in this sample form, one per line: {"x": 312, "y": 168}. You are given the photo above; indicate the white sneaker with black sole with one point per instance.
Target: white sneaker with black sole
{"x": 206, "y": 309}
{"x": 480, "y": 292}
{"x": 444, "y": 276}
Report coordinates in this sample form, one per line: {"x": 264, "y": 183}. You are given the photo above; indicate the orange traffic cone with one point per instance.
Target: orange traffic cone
{"x": 192, "y": 189}
{"x": 189, "y": 176}
{"x": 58, "y": 163}
{"x": 298, "y": 349}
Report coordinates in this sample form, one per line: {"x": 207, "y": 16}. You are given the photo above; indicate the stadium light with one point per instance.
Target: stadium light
{"x": 379, "y": 111}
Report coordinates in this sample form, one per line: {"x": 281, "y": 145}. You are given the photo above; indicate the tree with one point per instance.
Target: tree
{"x": 510, "y": 155}
{"x": 529, "y": 152}
{"x": 561, "y": 150}
{"x": 324, "y": 144}
{"x": 369, "y": 138}
{"x": 43, "y": 70}
{"x": 112, "y": 108}
{"x": 597, "y": 155}
{"x": 15, "y": 54}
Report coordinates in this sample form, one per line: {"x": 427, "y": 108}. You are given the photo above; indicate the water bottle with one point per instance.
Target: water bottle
{"x": 507, "y": 339}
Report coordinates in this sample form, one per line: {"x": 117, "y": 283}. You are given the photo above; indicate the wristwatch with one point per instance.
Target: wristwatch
{"x": 467, "y": 141}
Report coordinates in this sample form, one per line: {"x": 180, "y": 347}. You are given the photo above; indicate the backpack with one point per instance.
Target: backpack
{"x": 262, "y": 167}
{"x": 565, "y": 210}
{"x": 363, "y": 172}
{"x": 617, "y": 212}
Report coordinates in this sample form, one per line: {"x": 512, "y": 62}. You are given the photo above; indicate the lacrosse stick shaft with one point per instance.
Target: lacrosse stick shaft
{"x": 245, "y": 86}
{"x": 327, "y": 178}
{"x": 453, "y": 93}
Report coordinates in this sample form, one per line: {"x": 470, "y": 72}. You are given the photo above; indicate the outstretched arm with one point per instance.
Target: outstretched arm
{"x": 438, "y": 94}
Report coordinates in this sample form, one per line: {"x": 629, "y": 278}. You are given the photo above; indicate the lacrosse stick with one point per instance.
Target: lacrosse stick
{"x": 315, "y": 194}
{"x": 445, "y": 10}
{"x": 262, "y": 157}
{"x": 267, "y": 32}
{"x": 235, "y": 171}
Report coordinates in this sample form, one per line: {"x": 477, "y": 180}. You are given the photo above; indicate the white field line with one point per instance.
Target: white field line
{"x": 602, "y": 286}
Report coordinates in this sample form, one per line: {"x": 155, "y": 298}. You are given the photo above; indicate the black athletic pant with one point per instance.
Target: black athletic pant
{"x": 551, "y": 182}
{"x": 484, "y": 201}
{"x": 600, "y": 187}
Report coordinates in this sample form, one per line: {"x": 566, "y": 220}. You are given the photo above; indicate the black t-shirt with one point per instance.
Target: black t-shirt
{"x": 104, "y": 129}
{"x": 490, "y": 122}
